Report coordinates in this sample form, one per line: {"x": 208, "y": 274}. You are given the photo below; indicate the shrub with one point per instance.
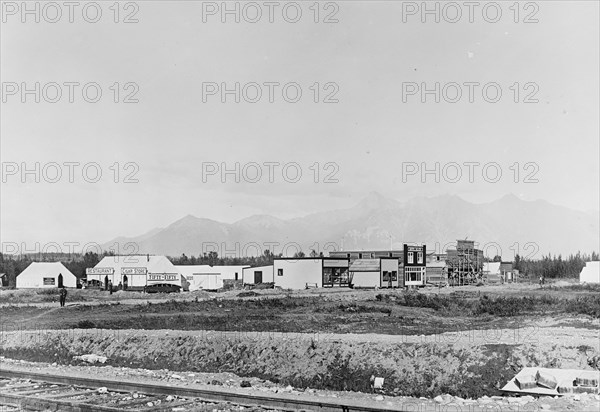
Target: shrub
{"x": 85, "y": 324}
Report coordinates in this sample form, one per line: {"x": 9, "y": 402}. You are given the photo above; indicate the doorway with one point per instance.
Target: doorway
{"x": 257, "y": 276}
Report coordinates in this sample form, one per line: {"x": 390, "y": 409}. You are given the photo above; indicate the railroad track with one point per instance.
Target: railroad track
{"x": 30, "y": 391}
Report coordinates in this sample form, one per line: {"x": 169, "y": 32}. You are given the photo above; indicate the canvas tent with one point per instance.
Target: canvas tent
{"x": 46, "y": 275}
{"x": 590, "y": 273}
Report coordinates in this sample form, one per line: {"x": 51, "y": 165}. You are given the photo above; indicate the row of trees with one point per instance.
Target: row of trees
{"x": 554, "y": 266}
{"x": 213, "y": 259}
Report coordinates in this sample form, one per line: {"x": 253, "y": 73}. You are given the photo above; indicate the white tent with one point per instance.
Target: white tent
{"x": 590, "y": 273}
{"x": 46, "y": 275}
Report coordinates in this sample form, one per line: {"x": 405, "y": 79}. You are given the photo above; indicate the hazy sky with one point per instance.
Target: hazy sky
{"x": 362, "y": 143}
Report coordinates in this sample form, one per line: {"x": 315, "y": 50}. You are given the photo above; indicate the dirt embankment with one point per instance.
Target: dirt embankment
{"x": 411, "y": 366}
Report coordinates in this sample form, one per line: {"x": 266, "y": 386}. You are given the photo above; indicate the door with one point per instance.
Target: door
{"x": 257, "y": 276}
{"x": 60, "y": 280}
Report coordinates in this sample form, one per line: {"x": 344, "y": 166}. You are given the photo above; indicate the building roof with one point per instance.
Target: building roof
{"x": 365, "y": 265}
{"x": 152, "y": 263}
{"x": 46, "y": 268}
{"x": 258, "y": 267}
{"x": 189, "y": 270}
{"x": 369, "y": 251}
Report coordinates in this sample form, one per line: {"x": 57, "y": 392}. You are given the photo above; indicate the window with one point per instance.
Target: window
{"x": 280, "y": 272}
{"x": 413, "y": 274}
{"x": 410, "y": 257}
{"x": 420, "y": 257}
{"x": 360, "y": 255}
{"x": 48, "y": 281}
{"x": 394, "y": 276}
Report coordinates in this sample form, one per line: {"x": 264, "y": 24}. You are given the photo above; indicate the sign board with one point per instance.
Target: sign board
{"x": 99, "y": 271}
{"x": 162, "y": 277}
{"x": 337, "y": 263}
{"x": 134, "y": 271}
{"x": 414, "y": 248}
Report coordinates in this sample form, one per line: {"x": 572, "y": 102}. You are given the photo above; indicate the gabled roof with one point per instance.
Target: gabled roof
{"x": 153, "y": 264}
{"x": 46, "y": 268}
{"x": 365, "y": 265}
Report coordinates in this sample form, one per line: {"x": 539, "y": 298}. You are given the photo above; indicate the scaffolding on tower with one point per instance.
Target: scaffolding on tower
{"x": 465, "y": 263}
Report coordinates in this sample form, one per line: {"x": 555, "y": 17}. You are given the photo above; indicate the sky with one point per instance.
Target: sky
{"x": 169, "y": 139}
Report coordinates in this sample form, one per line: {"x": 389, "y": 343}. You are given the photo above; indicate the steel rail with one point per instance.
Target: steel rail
{"x": 279, "y": 402}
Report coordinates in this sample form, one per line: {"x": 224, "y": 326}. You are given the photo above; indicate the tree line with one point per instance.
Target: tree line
{"x": 213, "y": 259}
{"x": 554, "y": 267}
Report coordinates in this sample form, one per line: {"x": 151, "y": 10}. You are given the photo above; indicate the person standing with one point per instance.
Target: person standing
{"x": 63, "y": 296}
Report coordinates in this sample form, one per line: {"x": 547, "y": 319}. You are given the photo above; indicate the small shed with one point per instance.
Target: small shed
{"x": 46, "y": 275}
{"x": 258, "y": 274}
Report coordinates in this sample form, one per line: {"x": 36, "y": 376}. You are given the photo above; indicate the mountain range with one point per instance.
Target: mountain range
{"x": 503, "y": 227}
